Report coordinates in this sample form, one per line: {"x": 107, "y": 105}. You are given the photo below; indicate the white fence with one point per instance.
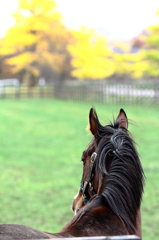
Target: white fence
{"x": 127, "y": 237}
{"x": 94, "y": 92}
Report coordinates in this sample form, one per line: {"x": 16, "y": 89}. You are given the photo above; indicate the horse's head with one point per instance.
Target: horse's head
{"x": 93, "y": 179}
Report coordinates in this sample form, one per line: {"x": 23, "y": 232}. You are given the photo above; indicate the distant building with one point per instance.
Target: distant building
{"x": 9, "y": 82}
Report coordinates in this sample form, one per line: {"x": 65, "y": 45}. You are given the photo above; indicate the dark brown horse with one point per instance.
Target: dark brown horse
{"x": 108, "y": 202}
{"x": 113, "y": 178}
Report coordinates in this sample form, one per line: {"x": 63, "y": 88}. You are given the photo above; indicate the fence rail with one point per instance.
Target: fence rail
{"x": 125, "y": 237}
{"x": 88, "y": 92}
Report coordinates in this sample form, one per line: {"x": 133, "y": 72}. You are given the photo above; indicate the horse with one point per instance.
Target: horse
{"x": 109, "y": 198}
{"x": 113, "y": 179}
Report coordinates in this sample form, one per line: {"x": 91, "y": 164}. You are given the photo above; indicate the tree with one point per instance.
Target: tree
{"x": 128, "y": 63}
{"x": 92, "y": 58}
{"x": 151, "y": 53}
{"x": 38, "y": 39}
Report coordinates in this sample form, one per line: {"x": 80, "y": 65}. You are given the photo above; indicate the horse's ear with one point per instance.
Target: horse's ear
{"x": 92, "y": 121}
{"x": 122, "y": 119}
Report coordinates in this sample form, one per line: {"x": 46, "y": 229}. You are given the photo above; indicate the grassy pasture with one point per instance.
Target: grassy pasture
{"x": 40, "y": 149}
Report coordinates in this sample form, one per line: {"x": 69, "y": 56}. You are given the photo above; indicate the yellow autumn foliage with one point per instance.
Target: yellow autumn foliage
{"x": 38, "y": 37}
{"x": 16, "y": 40}
{"x": 91, "y": 56}
{"x": 22, "y": 61}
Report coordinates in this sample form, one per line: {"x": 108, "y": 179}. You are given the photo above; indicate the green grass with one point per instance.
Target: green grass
{"x": 40, "y": 149}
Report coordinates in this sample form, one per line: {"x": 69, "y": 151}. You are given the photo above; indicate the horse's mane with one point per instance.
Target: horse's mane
{"x": 125, "y": 178}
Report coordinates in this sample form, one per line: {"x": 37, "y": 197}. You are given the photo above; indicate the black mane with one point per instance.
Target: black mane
{"x": 125, "y": 178}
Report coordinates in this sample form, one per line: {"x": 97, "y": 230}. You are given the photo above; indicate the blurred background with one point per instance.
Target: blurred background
{"x": 57, "y": 59}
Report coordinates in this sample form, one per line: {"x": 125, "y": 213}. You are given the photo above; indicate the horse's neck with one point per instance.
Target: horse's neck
{"x": 138, "y": 224}
{"x": 95, "y": 222}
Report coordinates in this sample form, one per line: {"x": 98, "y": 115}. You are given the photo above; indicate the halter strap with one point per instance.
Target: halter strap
{"x": 88, "y": 180}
